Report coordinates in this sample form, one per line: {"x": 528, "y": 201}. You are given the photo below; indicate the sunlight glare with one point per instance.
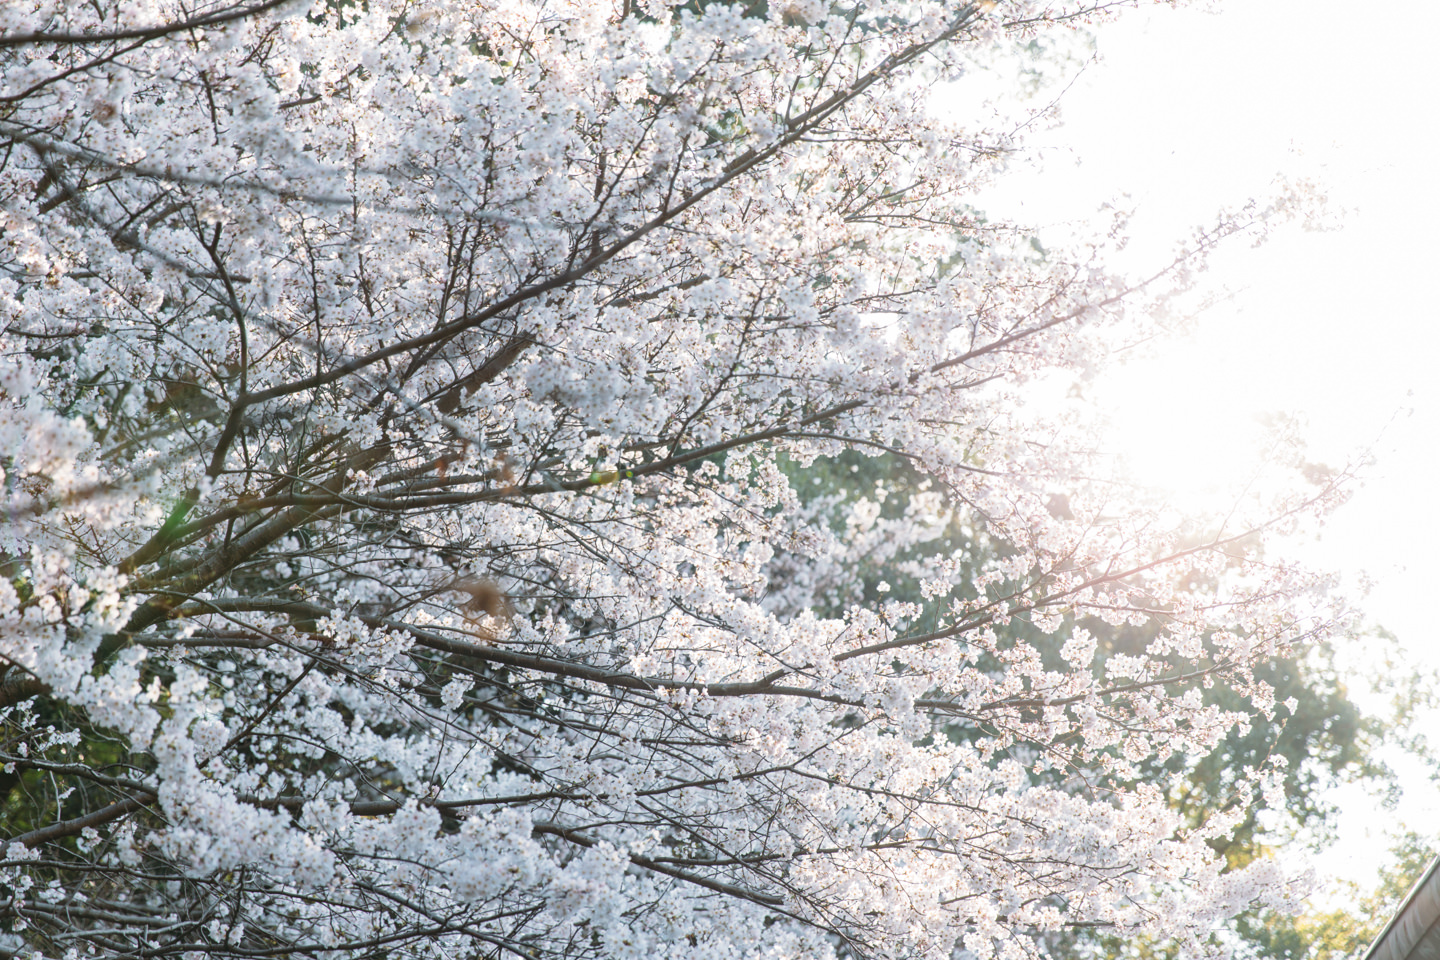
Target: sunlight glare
{"x": 1184, "y": 423}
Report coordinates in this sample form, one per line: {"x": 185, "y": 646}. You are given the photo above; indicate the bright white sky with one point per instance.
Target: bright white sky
{"x": 1189, "y": 111}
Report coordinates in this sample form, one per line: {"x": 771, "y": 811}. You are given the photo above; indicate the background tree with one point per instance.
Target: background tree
{"x": 1348, "y": 928}
{"x": 402, "y": 559}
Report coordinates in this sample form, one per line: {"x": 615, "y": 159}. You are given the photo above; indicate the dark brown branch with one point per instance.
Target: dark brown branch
{"x": 579, "y": 839}
{"x": 143, "y": 33}
{"x": 69, "y": 828}
{"x": 14, "y": 689}
{"x": 448, "y": 401}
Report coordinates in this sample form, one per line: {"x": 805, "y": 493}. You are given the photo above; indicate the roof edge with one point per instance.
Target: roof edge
{"x": 1430, "y": 878}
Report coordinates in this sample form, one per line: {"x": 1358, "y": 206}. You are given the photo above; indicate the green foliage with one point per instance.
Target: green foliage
{"x": 1345, "y": 932}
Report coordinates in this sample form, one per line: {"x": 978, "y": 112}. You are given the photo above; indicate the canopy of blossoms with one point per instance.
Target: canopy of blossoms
{"x": 401, "y": 411}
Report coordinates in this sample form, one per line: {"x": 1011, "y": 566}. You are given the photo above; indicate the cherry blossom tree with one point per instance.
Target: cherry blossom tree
{"x": 399, "y": 405}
